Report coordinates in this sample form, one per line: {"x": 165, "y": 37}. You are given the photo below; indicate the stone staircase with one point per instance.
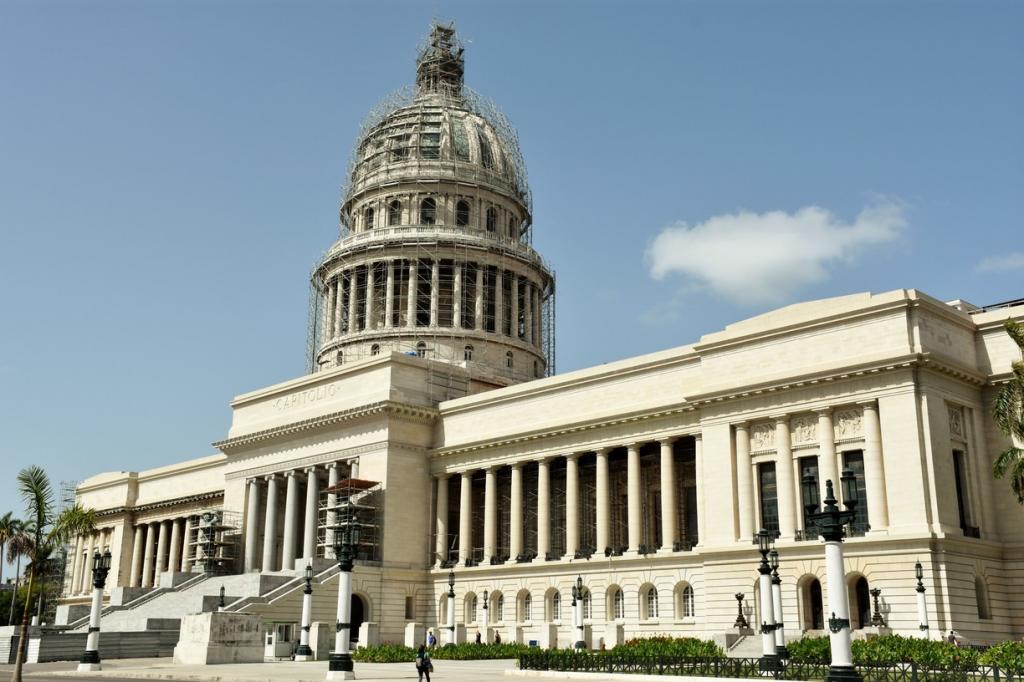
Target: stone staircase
{"x": 748, "y": 646}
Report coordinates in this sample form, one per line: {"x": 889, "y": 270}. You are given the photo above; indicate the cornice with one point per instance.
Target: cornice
{"x": 162, "y": 504}
{"x": 386, "y": 408}
{"x": 322, "y": 458}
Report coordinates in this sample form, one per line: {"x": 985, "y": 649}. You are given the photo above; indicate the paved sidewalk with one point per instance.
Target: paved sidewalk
{"x": 283, "y": 671}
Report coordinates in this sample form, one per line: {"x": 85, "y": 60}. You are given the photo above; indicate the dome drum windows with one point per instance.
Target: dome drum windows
{"x": 430, "y": 145}
{"x": 399, "y": 146}
{"x": 428, "y": 211}
{"x": 368, "y": 219}
{"x": 394, "y": 212}
{"x": 492, "y": 219}
{"x": 462, "y": 213}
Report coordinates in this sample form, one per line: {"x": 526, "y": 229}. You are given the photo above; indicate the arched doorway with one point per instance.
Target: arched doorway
{"x": 814, "y": 610}
{"x": 861, "y": 603}
{"x": 356, "y": 618}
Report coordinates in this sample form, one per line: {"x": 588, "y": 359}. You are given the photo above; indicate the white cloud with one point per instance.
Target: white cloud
{"x": 765, "y": 257}
{"x": 1004, "y": 263}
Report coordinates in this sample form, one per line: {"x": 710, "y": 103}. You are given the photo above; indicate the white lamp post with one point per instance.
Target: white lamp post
{"x": 91, "y": 657}
{"x": 450, "y": 630}
{"x": 577, "y": 612}
{"x": 346, "y": 540}
{"x": 304, "y": 652}
{"x": 829, "y": 523}
{"x": 922, "y": 605}
{"x": 769, "y": 657}
{"x": 780, "y": 637}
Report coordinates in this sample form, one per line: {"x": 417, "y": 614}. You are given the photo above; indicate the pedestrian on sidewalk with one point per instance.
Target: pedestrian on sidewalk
{"x": 423, "y": 664}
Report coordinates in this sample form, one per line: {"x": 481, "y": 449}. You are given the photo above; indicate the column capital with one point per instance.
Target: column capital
{"x": 443, "y": 476}
{"x": 780, "y": 418}
{"x": 269, "y": 477}
{"x": 824, "y": 411}
{"x": 544, "y": 460}
{"x": 635, "y": 445}
{"x": 871, "y": 403}
{"x": 669, "y": 440}
{"x": 466, "y": 473}
{"x": 310, "y": 470}
{"x": 699, "y": 435}
{"x": 605, "y": 451}
{"x": 572, "y": 455}
{"x": 290, "y": 473}
{"x": 741, "y": 426}
{"x": 517, "y": 465}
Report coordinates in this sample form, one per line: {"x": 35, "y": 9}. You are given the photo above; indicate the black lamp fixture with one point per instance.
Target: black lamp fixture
{"x": 451, "y": 584}
{"x": 773, "y": 558}
{"x": 309, "y": 579}
{"x": 876, "y": 617}
{"x": 919, "y": 574}
{"x": 100, "y": 569}
{"x": 220, "y": 604}
{"x": 346, "y": 540}
{"x": 741, "y": 620}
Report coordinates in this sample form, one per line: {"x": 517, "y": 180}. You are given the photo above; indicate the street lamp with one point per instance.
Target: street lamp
{"x": 876, "y": 617}
{"x": 780, "y": 638}
{"x": 487, "y": 619}
{"x": 741, "y": 620}
{"x": 577, "y": 611}
{"x": 303, "y": 652}
{"x": 769, "y": 656}
{"x": 346, "y": 541}
{"x": 91, "y": 657}
{"x": 829, "y": 523}
{"x": 922, "y": 606}
{"x": 451, "y": 608}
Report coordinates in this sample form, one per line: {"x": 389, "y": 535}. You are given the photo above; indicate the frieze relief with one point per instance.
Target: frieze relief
{"x": 849, "y": 424}
{"x": 804, "y": 429}
{"x": 956, "y": 422}
{"x": 762, "y": 436}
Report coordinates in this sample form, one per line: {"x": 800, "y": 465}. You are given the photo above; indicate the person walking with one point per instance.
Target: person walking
{"x": 431, "y": 640}
{"x": 423, "y": 665}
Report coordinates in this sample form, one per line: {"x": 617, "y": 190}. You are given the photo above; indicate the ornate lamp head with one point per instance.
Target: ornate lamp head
{"x": 850, "y": 492}
{"x": 773, "y": 558}
{"x": 309, "y": 572}
{"x": 810, "y": 494}
{"x": 451, "y": 579}
{"x": 918, "y": 571}
{"x": 764, "y": 541}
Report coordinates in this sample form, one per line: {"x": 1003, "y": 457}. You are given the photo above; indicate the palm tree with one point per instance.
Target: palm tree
{"x": 7, "y": 522}
{"x": 17, "y": 528}
{"x": 1008, "y": 412}
{"x": 45, "y": 530}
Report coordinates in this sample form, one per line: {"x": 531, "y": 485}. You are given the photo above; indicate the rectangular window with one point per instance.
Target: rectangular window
{"x": 855, "y": 461}
{"x": 409, "y": 615}
{"x": 768, "y": 493}
{"x": 963, "y": 501}
{"x": 430, "y": 145}
{"x": 808, "y": 467}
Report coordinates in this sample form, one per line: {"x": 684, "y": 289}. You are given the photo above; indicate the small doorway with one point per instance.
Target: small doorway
{"x": 862, "y": 599}
{"x": 356, "y": 618}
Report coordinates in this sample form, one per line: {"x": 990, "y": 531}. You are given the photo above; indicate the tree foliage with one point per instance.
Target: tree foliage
{"x": 1008, "y": 413}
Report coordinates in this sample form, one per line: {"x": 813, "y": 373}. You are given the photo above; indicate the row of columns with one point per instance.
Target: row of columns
{"x": 344, "y": 299}
{"x": 81, "y": 568}
{"x": 158, "y": 547}
{"x": 264, "y": 501}
{"x": 669, "y": 519}
{"x": 788, "y": 488}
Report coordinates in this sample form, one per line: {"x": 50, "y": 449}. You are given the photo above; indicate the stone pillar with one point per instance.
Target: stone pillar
{"x": 699, "y": 472}
{"x": 744, "y": 483}
{"x": 186, "y": 547}
{"x": 874, "y": 472}
{"x": 291, "y": 521}
{"x": 490, "y": 514}
{"x": 669, "y": 505}
{"x": 174, "y": 559}
{"x": 572, "y": 505}
{"x": 499, "y": 302}
{"x": 135, "y": 577}
{"x": 543, "y": 508}
{"x": 312, "y": 503}
{"x": 410, "y": 303}
{"x": 528, "y": 312}
{"x": 478, "y": 301}
{"x": 515, "y": 525}
{"x": 465, "y": 516}
{"x": 270, "y": 524}
{"x": 389, "y": 297}
{"x": 147, "y": 559}
{"x": 538, "y": 316}
{"x": 514, "y": 293}
{"x": 339, "y": 307}
{"x": 161, "y": 550}
{"x": 441, "y": 537}
{"x": 333, "y": 476}
{"x": 633, "y": 492}
{"x": 329, "y": 303}
{"x": 76, "y": 566}
{"x": 353, "y": 280}
{"x": 370, "y": 285}
{"x": 784, "y": 478}
{"x": 828, "y": 464}
{"x": 602, "y": 505}
{"x": 435, "y": 290}
{"x": 457, "y": 297}
{"x": 252, "y": 526}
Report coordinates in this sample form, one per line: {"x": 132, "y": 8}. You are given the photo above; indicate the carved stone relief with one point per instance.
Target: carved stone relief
{"x": 849, "y": 424}
{"x": 956, "y": 421}
{"x": 804, "y": 429}
{"x": 762, "y": 436}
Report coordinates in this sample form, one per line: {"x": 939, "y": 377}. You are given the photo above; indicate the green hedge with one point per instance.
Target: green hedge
{"x": 397, "y": 653}
{"x": 681, "y": 647}
{"x": 897, "y": 649}
{"x": 1006, "y": 656}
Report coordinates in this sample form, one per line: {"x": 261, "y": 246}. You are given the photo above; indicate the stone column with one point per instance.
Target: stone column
{"x": 828, "y": 465}
{"x": 147, "y": 559}
{"x": 572, "y": 505}
{"x": 76, "y": 566}
{"x": 174, "y": 558}
{"x": 333, "y": 476}
{"x": 601, "y": 504}
{"x": 389, "y": 296}
{"x": 490, "y": 514}
{"x": 465, "y": 516}
{"x": 339, "y": 306}
{"x": 874, "y": 472}
{"x": 370, "y": 286}
{"x": 515, "y": 525}
{"x": 457, "y": 297}
{"x": 543, "y": 508}
{"x": 270, "y": 524}
{"x": 252, "y": 525}
{"x": 353, "y": 280}
{"x": 478, "y": 302}
{"x": 784, "y": 478}
{"x": 161, "y": 550}
{"x": 514, "y": 293}
{"x": 669, "y": 505}
{"x": 499, "y": 302}
{"x": 328, "y": 320}
{"x": 410, "y": 303}
{"x": 699, "y": 472}
{"x": 528, "y": 312}
{"x": 291, "y": 521}
{"x": 91, "y": 549}
{"x": 633, "y": 506}
{"x": 135, "y": 577}
{"x": 538, "y": 316}
{"x": 186, "y": 548}
{"x": 312, "y": 500}
{"x": 435, "y": 290}
{"x": 744, "y": 483}
{"x": 441, "y": 538}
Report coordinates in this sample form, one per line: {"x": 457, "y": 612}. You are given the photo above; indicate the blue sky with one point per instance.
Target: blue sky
{"x": 169, "y": 171}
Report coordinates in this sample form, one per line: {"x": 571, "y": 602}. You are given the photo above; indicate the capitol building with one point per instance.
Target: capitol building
{"x": 431, "y": 406}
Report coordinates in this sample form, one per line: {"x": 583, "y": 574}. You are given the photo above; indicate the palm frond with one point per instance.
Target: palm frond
{"x": 20, "y": 544}
{"x": 74, "y": 520}
{"x": 35, "y": 489}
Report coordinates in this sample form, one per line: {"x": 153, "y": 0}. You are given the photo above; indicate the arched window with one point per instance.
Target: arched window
{"x": 509, "y": 359}
{"x": 375, "y": 349}
{"x": 462, "y": 213}
{"x": 649, "y": 602}
{"x": 536, "y": 368}
{"x": 395, "y": 212}
{"x": 339, "y": 358}
{"x": 486, "y": 158}
{"x": 618, "y": 605}
{"x": 499, "y": 609}
{"x": 471, "y": 615}
{"x": 368, "y": 219}
{"x": 428, "y": 211}
{"x": 687, "y": 609}
{"x": 556, "y": 606}
{"x": 527, "y": 607}
{"x": 981, "y": 595}
{"x": 492, "y": 219}
{"x": 421, "y": 350}
{"x": 467, "y": 353}
{"x": 587, "y": 605}
{"x": 512, "y": 228}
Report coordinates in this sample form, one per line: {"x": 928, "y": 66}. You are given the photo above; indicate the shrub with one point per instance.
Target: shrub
{"x": 810, "y": 650}
{"x": 1007, "y": 656}
{"x": 893, "y": 649}
{"x": 397, "y": 653}
{"x": 679, "y": 647}
{"x": 385, "y": 653}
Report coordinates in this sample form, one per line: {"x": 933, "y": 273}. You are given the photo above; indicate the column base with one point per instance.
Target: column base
{"x": 89, "y": 667}
{"x": 303, "y": 650}
{"x": 842, "y": 673}
{"x": 769, "y": 663}
{"x": 302, "y": 658}
{"x": 90, "y": 656}
{"x": 333, "y": 675}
